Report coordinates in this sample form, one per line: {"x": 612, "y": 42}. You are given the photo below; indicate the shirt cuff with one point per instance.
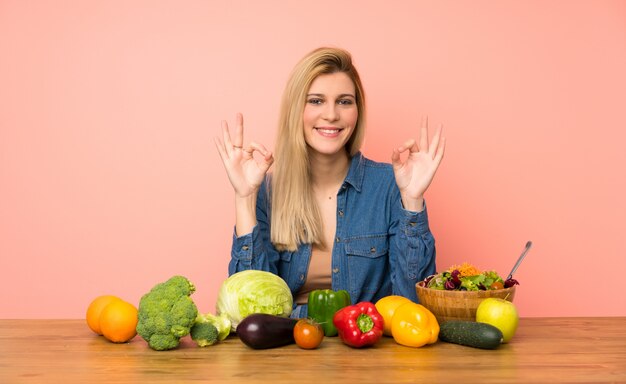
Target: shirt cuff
{"x": 243, "y": 245}
{"x": 415, "y": 223}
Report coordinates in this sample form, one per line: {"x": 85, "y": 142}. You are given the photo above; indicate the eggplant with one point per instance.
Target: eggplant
{"x": 262, "y": 331}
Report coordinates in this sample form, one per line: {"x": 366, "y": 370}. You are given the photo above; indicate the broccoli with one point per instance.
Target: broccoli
{"x": 204, "y": 333}
{"x": 221, "y": 323}
{"x": 167, "y": 313}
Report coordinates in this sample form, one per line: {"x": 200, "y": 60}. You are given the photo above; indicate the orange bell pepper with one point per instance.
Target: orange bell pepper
{"x": 414, "y": 325}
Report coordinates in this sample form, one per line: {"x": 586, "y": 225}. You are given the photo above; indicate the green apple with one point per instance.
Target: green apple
{"x": 500, "y": 313}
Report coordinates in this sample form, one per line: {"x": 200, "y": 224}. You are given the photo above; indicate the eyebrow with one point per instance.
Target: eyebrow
{"x": 339, "y": 96}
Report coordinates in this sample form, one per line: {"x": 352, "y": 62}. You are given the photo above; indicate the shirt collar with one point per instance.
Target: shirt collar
{"x": 356, "y": 171}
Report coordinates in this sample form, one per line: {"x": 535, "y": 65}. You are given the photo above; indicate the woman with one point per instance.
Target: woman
{"x": 327, "y": 217}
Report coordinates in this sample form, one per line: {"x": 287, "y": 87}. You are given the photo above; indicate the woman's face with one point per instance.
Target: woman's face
{"x": 330, "y": 113}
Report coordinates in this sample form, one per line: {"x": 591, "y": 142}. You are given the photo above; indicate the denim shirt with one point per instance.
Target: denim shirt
{"x": 380, "y": 248}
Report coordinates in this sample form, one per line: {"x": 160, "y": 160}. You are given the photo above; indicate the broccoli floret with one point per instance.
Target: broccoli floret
{"x": 204, "y": 333}
{"x": 221, "y": 322}
{"x": 167, "y": 313}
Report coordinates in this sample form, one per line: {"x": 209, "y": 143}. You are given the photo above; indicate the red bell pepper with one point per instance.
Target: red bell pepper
{"x": 359, "y": 325}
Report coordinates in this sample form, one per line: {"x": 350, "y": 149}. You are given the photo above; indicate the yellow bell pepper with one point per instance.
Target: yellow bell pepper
{"x": 387, "y": 307}
{"x": 413, "y": 325}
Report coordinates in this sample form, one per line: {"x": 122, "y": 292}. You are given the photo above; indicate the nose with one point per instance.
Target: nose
{"x": 330, "y": 112}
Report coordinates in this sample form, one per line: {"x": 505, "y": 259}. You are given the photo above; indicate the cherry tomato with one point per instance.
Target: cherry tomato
{"x": 497, "y": 285}
{"x": 308, "y": 334}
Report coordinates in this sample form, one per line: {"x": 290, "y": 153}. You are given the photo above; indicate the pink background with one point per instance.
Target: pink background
{"x": 110, "y": 181}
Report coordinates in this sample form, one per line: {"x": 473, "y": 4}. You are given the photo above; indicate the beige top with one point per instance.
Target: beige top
{"x": 318, "y": 276}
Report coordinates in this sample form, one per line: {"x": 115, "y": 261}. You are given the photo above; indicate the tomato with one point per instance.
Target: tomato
{"x": 308, "y": 334}
{"x": 497, "y": 285}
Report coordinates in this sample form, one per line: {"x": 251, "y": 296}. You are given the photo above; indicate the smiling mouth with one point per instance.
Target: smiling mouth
{"x": 328, "y": 132}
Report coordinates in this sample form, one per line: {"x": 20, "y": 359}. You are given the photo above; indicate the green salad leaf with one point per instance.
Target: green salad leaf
{"x": 453, "y": 281}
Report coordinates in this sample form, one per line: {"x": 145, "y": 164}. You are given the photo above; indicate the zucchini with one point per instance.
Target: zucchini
{"x": 471, "y": 334}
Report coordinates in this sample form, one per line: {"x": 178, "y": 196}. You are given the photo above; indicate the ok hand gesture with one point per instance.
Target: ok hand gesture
{"x": 415, "y": 174}
{"x": 244, "y": 171}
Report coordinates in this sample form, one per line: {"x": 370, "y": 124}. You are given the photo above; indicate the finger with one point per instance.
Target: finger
{"x": 267, "y": 155}
{"x": 424, "y": 135}
{"x": 395, "y": 159}
{"x": 238, "y": 139}
{"x": 228, "y": 145}
{"x": 410, "y": 144}
{"x": 220, "y": 148}
{"x": 254, "y": 146}
{"x": 434, "y": 145}
{"x": 440, "y": 151}
{"x": 268, "y": 158}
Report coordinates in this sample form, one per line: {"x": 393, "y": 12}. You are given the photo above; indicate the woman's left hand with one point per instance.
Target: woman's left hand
{"x": 415, "y": 174}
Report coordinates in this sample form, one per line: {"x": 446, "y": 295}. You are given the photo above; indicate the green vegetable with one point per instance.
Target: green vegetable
{"x": 472, "y": 283}
{"x": 454, "y": 281}
{"x": 322, "y": 305}
{"x": 252, "y": 291}
{"x": 490, "y": 278}
{"x": 471, "y": 334}
{"x": 221, "y": 323}
{"x": 204, "y": 333}
{"x": 167, "y": 313}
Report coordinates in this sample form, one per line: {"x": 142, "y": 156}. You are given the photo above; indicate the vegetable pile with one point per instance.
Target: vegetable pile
{"x": 466, "y": 277}
{"x": 167, "y": 313}
{"x": 257, "y": 305}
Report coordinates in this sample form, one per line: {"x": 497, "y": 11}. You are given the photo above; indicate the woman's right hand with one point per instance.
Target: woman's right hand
{"x": 244, "y": 171}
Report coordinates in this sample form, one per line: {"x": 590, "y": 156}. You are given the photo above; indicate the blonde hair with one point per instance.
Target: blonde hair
{"x": 295, "y": 217}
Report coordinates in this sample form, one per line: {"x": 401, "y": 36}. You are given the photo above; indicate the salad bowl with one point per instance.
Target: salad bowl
{"x": 457, "y": 305}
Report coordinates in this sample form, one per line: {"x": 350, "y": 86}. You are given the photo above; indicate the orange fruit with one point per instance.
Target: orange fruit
{"x": 387, "y": 307}
{"x": 95, "y": 309}
{"x": 118, "y": 321}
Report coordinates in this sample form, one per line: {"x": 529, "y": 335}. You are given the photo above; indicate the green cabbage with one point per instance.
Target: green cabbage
{"x": 248, "y": 292}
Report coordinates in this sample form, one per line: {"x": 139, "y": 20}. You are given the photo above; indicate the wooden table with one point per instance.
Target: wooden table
{"x": 543, "y": 350}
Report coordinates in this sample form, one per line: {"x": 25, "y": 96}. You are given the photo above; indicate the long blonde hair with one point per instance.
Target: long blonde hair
{"x": 295, "y": 217}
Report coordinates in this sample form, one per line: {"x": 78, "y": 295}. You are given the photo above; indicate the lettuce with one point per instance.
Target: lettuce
{"x": 472, "y": 283}
{"x": 453, "y": 281}
{"x": 248, "y": 292}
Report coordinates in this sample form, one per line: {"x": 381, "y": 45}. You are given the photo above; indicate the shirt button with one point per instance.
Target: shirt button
{"x": 412, "y": 224}
{"x": 340, "y": 213}
{"x": 335, "y": 270}
{"x": 245, "y": 248}
{"x": 373, "y": 249}
{"x": 337, "y": 239}
{"x": 301, "y": 277}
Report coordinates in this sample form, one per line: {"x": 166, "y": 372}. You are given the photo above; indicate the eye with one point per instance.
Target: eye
{"x": 315, "y": 101}
{"x": 345, "y": 102}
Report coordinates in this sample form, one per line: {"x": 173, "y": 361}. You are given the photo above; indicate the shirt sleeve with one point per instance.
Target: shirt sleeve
{"x": 411, "y": 249}
{"x": 255, "y": 250}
